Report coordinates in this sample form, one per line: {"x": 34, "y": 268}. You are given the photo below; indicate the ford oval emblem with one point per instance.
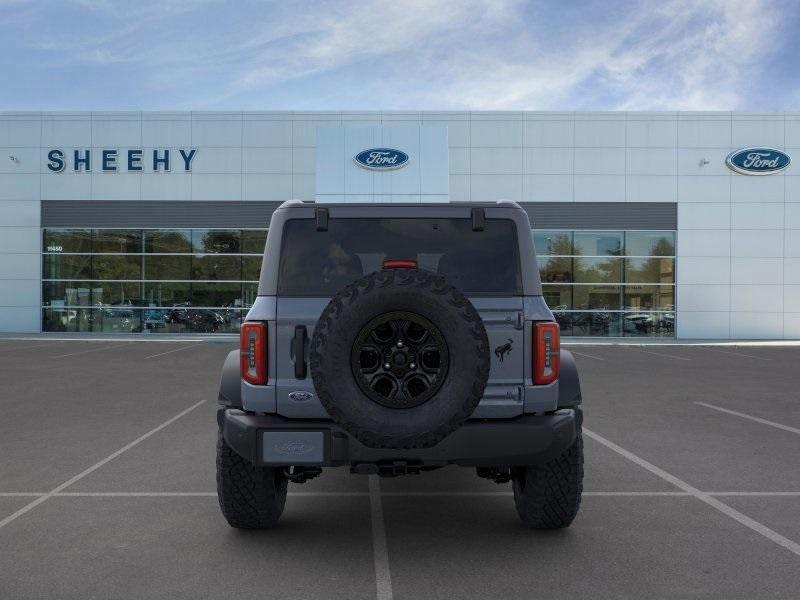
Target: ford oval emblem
{"x": 758, "y": 161}
{"x": 296, "y": 448}
{"x": 381, "y": 159}
{"x": 300, "y": 396}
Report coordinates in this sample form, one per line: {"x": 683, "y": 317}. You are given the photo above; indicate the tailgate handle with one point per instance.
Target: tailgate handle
{"x": 299, "y": 347}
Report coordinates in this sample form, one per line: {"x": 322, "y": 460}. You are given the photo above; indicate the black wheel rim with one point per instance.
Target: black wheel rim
{"x": 400, "y": 359}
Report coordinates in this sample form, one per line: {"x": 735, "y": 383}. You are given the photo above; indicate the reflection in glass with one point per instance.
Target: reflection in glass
{"x": 552, "y": 242}
{"x": 91, "y": 293}
{"x": 167, "y": 240}
{"x": 249, "y": 294}
{"x": 649, "y": 297}
{"x": 69, "y": 266}
{"x": 598, "y": 243}
{"x": 650, "y": 270}
{"x": 603, "y": 324}
{"x": 251, "y": 268}
{"x": 555, "y": 269}
{"x": 650, "y": 243}
{"x": 226, "y": 241}
{"x": 253, "y": 241}
{"x": 216, "y": 294}
{"x": 596, "y": 297}
{"x": 558, "y": 297}
{"x": 116, "y": 267}
{"x": 645, "y": 324}
{"x": 167, "y": 293}
{"x": 168, "y": 267}
{"x": 121, "y": 241}
{"x": 138, "y": 320}
{"x": 598, "y": 270}
{"x": 217, "y": 267}
{"x": 67, "y": 240}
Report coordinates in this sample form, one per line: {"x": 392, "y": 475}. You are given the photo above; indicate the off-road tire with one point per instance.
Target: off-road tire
{"x": 549, "y": 496}
{"x": 426, "y": 294}
{"x": 250, "y": 497}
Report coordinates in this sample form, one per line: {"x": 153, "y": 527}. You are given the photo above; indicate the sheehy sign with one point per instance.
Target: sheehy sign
{"x": 112, "y": 160}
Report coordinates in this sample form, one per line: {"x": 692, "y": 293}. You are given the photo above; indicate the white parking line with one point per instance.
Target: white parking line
{"x": 755, "y": 494}
{"x": 586, "y": 355}
{"x": 90, "y": 350}
{"x": 31, "y": 505}
{"x": 734, "y": 514}
{"x": 380, "y": 551}
{"x": 171, "y": 351}
{"x": 751, "y": 418}
{"x": 657, "y": 353}
{"x": 741, "y": 354}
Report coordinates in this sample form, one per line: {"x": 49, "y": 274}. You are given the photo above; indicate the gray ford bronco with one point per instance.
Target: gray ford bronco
{"x": 394, "y": 339}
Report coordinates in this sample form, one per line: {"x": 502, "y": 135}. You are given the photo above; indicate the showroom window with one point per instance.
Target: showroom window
{"x": 149, "y": 280}
{"x": 609, "y": 283}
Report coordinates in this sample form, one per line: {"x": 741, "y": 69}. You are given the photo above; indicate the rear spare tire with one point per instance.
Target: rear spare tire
{"x": 400, "y": 358}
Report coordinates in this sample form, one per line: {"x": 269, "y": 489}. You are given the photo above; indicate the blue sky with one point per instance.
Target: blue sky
{"x": 400, "y": 54}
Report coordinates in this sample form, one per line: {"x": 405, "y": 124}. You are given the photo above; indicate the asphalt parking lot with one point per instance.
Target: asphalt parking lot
{"x": 107, "y": 489}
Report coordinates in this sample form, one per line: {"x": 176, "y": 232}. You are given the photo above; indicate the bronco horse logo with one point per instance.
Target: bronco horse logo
{"x": 501, "y": 351}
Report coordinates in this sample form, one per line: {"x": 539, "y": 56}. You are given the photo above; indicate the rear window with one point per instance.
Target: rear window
{"x": 319, "y": 263}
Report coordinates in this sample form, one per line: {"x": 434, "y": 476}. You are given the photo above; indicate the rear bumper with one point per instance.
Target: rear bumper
{"x": 274, "y": 440}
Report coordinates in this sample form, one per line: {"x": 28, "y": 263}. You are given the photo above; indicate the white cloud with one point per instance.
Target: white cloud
{"x": 460, "y": 54}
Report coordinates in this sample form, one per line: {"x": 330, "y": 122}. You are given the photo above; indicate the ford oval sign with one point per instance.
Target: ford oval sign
{"x": 758, "y": 161}
{"x": 381, "y": 159}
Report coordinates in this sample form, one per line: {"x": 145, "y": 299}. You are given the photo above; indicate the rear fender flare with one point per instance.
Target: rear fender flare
{"x": 230, "y": 386}
{"x": 569, "y": 385}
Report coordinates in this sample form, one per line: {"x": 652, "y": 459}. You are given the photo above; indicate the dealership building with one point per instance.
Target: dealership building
{"x": 647, "y": 225}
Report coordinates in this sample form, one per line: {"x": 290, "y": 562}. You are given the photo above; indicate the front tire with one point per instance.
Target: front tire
{"x": 250, "y": 497}
{"x": 548, "y": 496}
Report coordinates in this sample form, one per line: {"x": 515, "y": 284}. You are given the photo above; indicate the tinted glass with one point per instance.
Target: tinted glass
{"x": 649, "y": 297}
{"x": 117, "y": 241}
{"x": 217, "y": 267}
{"x": 598, "y": 243}
{"x": 168, "y": 240}
{"x": 253, "y": 241}
{"x": 67, "y": 240}
{"x": 555, "y": 269}
{"x": 217, "y": 294}
{"x": 116, "y": 267}
{"x": 558, "y": 297}
{"x": 167, "y": 294}
{"x": 70, "y": 266}
{"x": 319, "y": 263}
{"x": 251, "y": 268}
{"x": 598, "y": 270}
{"x": 552, "y": 242}
{"x": 73, "y": 293}
{"x": 226, "y": 241}
{"x": 650, "y": 270}
{"x": 603, "y": 324}
{"x": 650, "y": 243}
{"x": 168, "y": 267}
{"x": 597, "y": 297}
{"x": 648, "y": 324}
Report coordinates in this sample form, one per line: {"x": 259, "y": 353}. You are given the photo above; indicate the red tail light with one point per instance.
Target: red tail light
{"x": 546, "y": 356}
{"x": 253, "y": 351}
{"x": 399, "y": 264}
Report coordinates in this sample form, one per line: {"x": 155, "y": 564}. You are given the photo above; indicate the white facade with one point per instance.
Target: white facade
{"x": 738, "y": 236}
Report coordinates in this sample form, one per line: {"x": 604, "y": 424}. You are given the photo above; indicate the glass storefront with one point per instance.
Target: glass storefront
{"x": 149, "y": 280}
{"x": 597, "y": 283}
{"x": 609, "y": 283}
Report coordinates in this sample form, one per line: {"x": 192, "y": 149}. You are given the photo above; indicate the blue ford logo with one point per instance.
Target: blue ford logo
{"x": 381, "y": 159}
{"x": 758, "y": 161}
{"x": 300, "y": 396}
